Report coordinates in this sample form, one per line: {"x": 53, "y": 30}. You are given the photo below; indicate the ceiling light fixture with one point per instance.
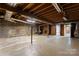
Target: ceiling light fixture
{"x": 58, "y": 9}
{"x": 30, "y": 21}
{"x": 65, "y": 18}
{"x": 8, "y": 16}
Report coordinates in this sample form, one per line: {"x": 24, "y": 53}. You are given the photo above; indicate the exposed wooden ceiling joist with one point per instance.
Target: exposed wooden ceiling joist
{"x": 52, "y": 13}
{"x": 51, "y": 10}
{"x": 13, "y": 9}
{"x": 59, "y": 10}
{"x": 45, "y": 12}
{"x": 7, "y": 7}
{"x": 73, "y": 9}
{"x": 42, "y": 9}
{"x": 72, "y": 6}
{"x": 36, "y": 7}
{"x": 28, "y": 6}
{"x": 57, "y": 7}
{"x": 64, "y": 4}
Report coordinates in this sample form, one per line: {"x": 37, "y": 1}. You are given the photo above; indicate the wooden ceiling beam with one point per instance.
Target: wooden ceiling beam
{"x": 7, "y": 7}
{"x": 36, "y": 7}
{"x": 64, "y": 4}
{"x": 50, "y": 16}
{"x": 70, "y": 6}
{"x": 48, "y": 11}
{"x": 42, "y": 9}
{"x": 13, "y": 9}
{"x": 28, "y": 6}
{"x": 39, "y": 18}
{"x": 60, "y": 10}
{"x": 69, "y": 21}
{"x": 73, "y": 9}
{"x": 52, "y": 13}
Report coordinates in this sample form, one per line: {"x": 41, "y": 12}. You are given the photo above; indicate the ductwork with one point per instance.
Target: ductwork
{"x": 58, "y": 9}
{"x": 8, "y": 16}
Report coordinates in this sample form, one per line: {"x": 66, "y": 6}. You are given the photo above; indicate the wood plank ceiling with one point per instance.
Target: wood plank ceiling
{"x": 44, "y": 11}
{"x": 71, "y": 11}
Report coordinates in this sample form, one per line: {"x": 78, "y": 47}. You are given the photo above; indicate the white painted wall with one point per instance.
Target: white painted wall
{"x": 58, "y": 30}
{"x": 67, "y": 30}
{"x": 10, "y": 31}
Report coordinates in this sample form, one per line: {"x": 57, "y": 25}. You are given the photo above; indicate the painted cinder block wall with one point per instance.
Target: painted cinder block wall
{"x": 8, "y": 29}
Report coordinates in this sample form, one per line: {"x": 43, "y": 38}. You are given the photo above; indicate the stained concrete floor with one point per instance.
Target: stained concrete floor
{"x": 42, "y": 46}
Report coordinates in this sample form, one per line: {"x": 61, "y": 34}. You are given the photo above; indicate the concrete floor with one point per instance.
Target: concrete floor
{"x": 42, "y": 46}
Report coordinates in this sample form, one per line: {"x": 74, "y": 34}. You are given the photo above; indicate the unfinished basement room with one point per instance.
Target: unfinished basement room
{"x": 39, "y": 29}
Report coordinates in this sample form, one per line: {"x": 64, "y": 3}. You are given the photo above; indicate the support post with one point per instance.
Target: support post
{"x": 73, "y": 27}
{"x": 78, "y": 30}
{"x": 62, "y": 29}
{"x": 31, "y": 34}
{"x": 49, "y": 29}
